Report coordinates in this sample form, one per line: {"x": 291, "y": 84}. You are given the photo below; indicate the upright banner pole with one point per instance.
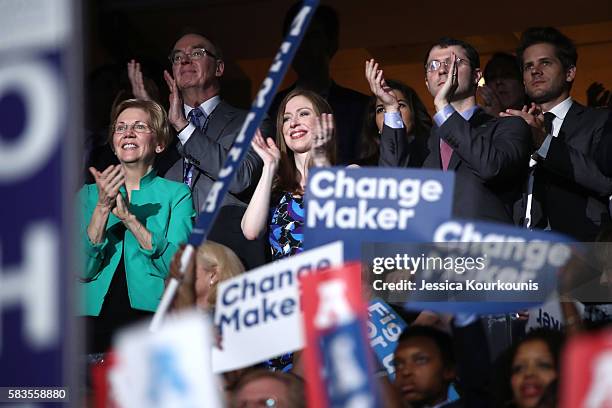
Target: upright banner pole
{"x": 261, "y": 104}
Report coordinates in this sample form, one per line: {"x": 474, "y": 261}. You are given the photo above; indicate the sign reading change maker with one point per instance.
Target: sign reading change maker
{"x": 259, "y": 314}
{"x": 375, "y": 205}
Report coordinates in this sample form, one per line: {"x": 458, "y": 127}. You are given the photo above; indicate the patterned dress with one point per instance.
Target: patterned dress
{"x": 286, "y": 222}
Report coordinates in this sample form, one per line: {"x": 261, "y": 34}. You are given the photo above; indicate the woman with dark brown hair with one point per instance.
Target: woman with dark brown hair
{"x": 304, "y": 139}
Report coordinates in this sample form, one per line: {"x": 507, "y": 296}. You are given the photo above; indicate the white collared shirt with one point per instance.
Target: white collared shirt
{"x": 208, "y": 106}
{"x": 560, "y": 111}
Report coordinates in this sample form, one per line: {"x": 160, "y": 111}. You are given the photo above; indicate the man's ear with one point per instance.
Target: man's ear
{"x": 220, "y": 68}
{"x": 570, "y": 74}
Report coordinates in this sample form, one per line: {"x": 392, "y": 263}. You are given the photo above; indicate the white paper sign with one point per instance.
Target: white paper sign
{"x": 549, "y": 315}
{"x": 168, "y": 368}
{"x": 259, "y": 312}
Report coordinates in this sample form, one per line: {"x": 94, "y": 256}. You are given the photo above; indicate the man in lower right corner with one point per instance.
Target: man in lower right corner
{"x": 567, "y": 190}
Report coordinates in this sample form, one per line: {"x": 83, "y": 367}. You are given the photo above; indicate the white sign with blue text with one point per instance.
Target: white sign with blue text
{"x": 375, "y": 205}
{"x": 168, "y": 368}
{"x": 258, "y": 313}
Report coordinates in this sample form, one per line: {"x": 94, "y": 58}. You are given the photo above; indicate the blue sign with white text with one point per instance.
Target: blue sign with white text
{"x": 384, "y": 328}
{"x": 374, "y": 205}
{"x": 35, "y": 163}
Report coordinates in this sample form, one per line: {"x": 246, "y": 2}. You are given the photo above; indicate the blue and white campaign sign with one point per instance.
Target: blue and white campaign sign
{"x": 475, "y": 267}
{"x": 375, "y": 205}
{"x": 262, "y": 309}
{"x": 384, "y": 328}
{"x": 168, "y": 368}
{"x": 35, "y": 163}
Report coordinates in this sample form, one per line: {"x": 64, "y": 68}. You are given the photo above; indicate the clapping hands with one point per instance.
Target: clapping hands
{"x": 267, "y": 150}
{"x": 108, "y": 183}
{"x": 324, "y": 131}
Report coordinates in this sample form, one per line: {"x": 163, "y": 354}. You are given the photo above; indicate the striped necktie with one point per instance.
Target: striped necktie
{"x": 200, "y": 120}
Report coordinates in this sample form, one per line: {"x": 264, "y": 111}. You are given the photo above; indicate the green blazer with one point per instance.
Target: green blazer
{"x": 165, "y": 208}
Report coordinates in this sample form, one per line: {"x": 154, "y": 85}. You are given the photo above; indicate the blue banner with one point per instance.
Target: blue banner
{"x": 260, "y": 106}
{"x": 36, "y": 163}
{"x": 375, "y": 205}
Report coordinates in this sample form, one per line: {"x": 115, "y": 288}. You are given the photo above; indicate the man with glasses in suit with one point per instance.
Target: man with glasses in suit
{"x": 206, "y": 128}
{"x": 487, "y": 154}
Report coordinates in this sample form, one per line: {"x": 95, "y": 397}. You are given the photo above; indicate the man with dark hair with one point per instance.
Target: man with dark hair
{"x": 486, "y": 153}
{"x": 206, "y": 128}
{"x": 312, "y": 65}
{"x": 567, "y": 192}
{"x": 503, "y": 87}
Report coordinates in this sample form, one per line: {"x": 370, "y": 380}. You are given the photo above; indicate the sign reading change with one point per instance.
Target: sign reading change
{"x": 375, "y": 205}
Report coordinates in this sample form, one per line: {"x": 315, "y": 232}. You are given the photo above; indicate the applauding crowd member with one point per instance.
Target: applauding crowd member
{"x": 305, "y": 135}
{"x": 567, "y": 191}
{"x": 133, "y": 222}
{"x": 416, "y": 119}
{"x": 487, "y": 154}
{"x": 207, "y": 127}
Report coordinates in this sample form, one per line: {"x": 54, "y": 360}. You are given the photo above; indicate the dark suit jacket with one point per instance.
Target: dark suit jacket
{"x": 208, "y": 151}
{"x": 604, "y": 151}
{"x": 490, "y": 157}
{"x": 570, "y": 190}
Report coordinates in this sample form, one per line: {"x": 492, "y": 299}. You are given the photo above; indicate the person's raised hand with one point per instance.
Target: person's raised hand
{"x": 176, "y": 113}
{"x": 445, "y": 94}
{"x": 137, "y": 81}
{"x": 108, "y": 183}
{"x": 323, "y": 135}
{"x": 534, "y": 117}
{"x": 121, "y": 210}
{"x": 379, "y": 87}
{"x": 267, "y": 150}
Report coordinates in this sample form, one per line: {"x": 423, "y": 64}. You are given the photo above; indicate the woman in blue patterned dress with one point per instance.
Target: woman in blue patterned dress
{"x": 304, "y": 138}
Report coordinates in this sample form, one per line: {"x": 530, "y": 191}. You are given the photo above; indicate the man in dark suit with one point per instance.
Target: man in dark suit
{"x": 206, "y": 128}
{"x": 568, "y": 192}
{"x": 487, "y": 154}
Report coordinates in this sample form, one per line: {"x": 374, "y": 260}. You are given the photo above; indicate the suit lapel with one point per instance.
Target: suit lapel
{"x": 571, "y": 122}
{"x": 433, "y": 161}
{"x": 219, "y": 119}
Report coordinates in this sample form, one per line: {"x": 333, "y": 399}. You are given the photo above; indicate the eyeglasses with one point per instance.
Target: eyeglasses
{"x": 177, "y": 57}
{"x": 434, "y": 65}
{"x": 138, "y": 127}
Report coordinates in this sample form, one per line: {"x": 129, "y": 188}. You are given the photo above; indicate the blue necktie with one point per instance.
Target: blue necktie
{"x": 200, "y": 120}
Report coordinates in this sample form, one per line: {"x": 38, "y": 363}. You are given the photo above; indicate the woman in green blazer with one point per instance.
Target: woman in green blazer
{"x": 133, "y": 222}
